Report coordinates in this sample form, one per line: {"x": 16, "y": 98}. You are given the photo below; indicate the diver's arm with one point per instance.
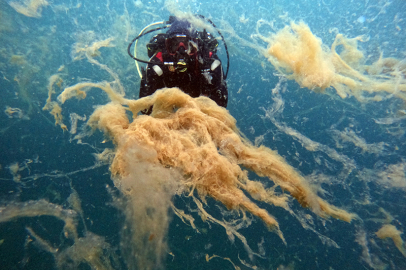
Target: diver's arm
{"x": 152, "y": 79}
{"x": 215, "y": 86}
{"x": 145, "y": 89}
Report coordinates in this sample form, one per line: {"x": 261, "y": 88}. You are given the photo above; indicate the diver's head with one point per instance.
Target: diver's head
{"x": 181, "y": 44}
{"x": 181, "y": 40}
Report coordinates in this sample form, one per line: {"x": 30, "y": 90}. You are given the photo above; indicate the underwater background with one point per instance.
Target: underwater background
{"x": 357, "y": 162}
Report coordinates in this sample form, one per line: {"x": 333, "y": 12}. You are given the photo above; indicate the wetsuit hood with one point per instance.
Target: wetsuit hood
{"x": 179, "y": 26}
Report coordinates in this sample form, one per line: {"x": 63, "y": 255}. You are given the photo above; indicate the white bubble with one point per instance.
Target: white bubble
{"x": 361, "y": 19}
{"x": 138, "y": 4}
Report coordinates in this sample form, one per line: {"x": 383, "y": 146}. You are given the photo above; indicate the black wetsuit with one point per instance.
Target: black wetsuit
{"x": 204, "y": 76}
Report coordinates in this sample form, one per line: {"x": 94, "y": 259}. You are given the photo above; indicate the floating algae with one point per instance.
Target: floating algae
{"x": 52, "y": 106}
{"x": 296, "y": 52}
{"x": 29, "y": 8}
{"x": 90, "y": 249}
{"x": 15, "y": 113}
{"x": 390, "y": 231}
{"x": 189, "y": 145}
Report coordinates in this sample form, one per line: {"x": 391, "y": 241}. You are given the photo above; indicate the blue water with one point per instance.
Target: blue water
{"x": 52, "y": 162}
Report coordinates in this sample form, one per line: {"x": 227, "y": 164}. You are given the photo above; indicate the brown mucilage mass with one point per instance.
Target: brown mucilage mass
{"x": 189, "y": 146}
{"x": 201, "y": 140}
{"x": 298, "y": 54}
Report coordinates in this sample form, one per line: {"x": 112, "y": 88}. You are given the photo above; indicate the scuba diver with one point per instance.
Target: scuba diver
{"x": 185, "y": 58}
